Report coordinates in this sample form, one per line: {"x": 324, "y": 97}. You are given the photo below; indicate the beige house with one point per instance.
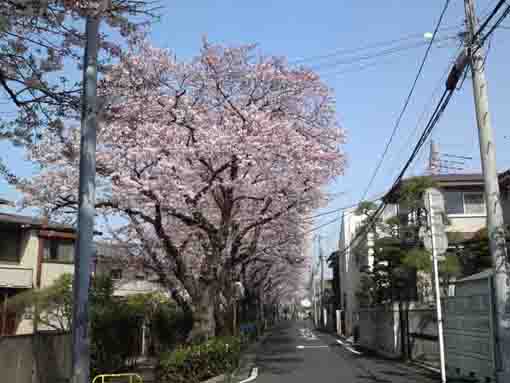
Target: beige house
{"x": 466, "y": 212}
{"x": 128, "y": 277}
{"x": 33, "y": 253}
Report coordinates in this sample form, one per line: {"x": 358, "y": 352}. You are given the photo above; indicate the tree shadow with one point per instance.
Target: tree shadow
{"x": 278, "y": 365}
{"x": 371, "y": 378}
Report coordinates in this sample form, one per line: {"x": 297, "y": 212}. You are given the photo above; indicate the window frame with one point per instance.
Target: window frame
{"x": 112, "y": 274}
{"x": 55, "y": 240}
{"x": 464, "y": 214}
{"x": 483, "y": 203}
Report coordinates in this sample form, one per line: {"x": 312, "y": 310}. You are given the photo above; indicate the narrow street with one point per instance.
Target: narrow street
{"x": 295, "y": 354}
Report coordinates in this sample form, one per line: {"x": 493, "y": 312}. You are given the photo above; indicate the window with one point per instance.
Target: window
{"x": 453, "y": 202}
{"x": 59, "y": 250}
{"x": 474, "y": 203}
{"x": 140, "y": 276}
{"x": 469, "y": 203}
{"x": 9, "y": 240}
{"x": 116, "y": 274}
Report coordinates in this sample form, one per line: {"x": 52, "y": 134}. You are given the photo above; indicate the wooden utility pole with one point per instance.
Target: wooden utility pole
{"x": 497, "y": 242}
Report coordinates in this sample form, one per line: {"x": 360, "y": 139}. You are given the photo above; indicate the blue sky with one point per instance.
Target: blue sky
{"x": 368, "y": 101}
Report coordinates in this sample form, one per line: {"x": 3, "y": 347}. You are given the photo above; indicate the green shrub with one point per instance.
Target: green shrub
{"x": 169, "y": 326}
{"x": 196, "y": 363}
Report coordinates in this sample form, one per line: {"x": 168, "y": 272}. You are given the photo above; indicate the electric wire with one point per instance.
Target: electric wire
{"x": 414, "y": 36}
{"x": 434, "y": 119}
{"x": 407, "y": 100}
{"x": 378, "y": 54}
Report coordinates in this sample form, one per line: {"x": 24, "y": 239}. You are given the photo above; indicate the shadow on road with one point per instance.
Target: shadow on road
{"x": 278, "y": 354}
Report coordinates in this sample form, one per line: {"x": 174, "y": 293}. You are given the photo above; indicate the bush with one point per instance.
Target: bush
{"x": 115, "y": 327}
{"x": 196, "y": 363}
{"x": 169, "y": 326}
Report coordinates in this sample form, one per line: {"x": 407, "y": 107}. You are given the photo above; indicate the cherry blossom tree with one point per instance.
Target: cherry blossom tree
{"x": 206, "y": 161}
{"x": 38, "y": 39}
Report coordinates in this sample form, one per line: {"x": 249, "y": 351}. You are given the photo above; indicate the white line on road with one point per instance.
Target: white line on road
{"x": 253, "y": 375}
{"x": 302, "y": 347}
{"x": 348, "y": 348}
{"x": 307, "y": 334}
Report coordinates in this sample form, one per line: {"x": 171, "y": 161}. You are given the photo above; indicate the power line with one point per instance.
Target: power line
{"x": 488, "y": 19}
{"x": 321, "y": 226}
{"x": 493, "y": 28}
{"x": 378, "y": 54}
{"x": 414, "y": 36}
{"x": 376, "y": 60}
{"x": 337, "y": 210}
{"x": 434, "y": 119}
{"x": 427, "y": 107}
{"x": 408, "y": 99}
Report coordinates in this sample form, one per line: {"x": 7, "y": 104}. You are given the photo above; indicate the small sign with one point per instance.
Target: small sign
{"x": 434, "y": 202}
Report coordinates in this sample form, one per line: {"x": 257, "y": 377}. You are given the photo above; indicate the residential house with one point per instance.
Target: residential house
{"x": 33, "y": 253}
{"x": 352, "y": 260}
{"x": 504, "y": 187}
{"x": 466, "y": 213}
{"x": 129, "y": 277}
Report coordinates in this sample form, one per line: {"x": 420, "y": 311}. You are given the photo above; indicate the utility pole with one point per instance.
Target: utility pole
{"x": 432, "y": 224}
{"x": 86, "y": 207}
{"x": 497, "y": 243}
{"x": 314, "y": 297}
{"x": 321, "y": 259}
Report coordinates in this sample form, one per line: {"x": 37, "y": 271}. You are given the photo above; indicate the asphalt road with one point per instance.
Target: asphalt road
{"x": 295, "y": 354}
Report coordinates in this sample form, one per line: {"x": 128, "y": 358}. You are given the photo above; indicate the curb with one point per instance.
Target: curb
{"x": 215, "y": 379}
{"x": 248, "y": 361}
{"x": 253, "y": 375}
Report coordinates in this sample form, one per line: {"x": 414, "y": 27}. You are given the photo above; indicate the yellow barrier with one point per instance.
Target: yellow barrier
{"x": 133, "y": 378}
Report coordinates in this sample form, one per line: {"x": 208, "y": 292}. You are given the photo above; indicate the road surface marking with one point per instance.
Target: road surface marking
{"x": 348, "y": 348}
{"x": 301, "y": 347}
{"x": 307, "y": 334}
{"x": 253, "y": 375}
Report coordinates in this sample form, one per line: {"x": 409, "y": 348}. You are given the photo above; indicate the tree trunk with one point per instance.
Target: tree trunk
{"x": 202, "y": 310}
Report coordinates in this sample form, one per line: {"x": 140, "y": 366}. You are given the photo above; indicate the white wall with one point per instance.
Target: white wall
{"x": 349, "y": 268}
{"x": 51, "y": 271}
{"x": 466, "y": 223}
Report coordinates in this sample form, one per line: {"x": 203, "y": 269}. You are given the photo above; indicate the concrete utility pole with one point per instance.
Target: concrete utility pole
{"x": 497, "y": 243}
{"x": 312, "y": 277}
{"x": 321, "y": 259}
{"x": 86, "y": 208}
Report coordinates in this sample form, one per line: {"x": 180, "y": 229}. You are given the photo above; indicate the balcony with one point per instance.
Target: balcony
{"x": 15, "y": 277}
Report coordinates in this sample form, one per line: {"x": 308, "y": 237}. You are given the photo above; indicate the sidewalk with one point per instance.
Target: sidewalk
{"x": 248, "y": 358}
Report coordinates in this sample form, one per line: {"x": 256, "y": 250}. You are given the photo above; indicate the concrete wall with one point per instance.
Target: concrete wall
{"x": 41, "y": 358}
{"x": 379, "y": 330}
{"x": 423, "y": 334}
